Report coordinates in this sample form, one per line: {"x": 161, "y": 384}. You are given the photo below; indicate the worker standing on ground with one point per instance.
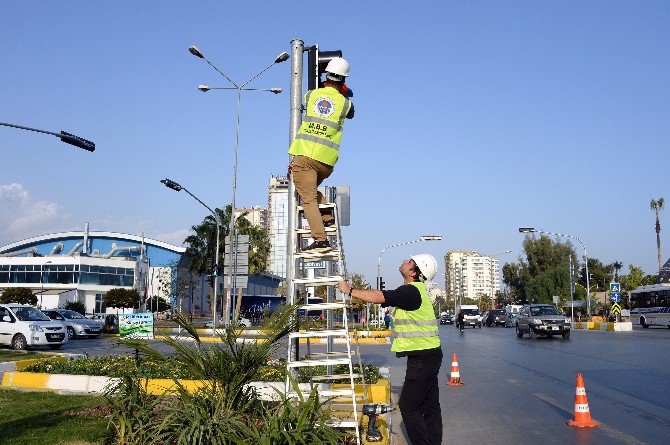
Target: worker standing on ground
{"x": 315, "y": 148}
{"x": 417, "y": 338}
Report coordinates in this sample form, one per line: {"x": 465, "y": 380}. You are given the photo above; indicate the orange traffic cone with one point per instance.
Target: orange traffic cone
{"x": 455, "y": 378}
{"x": 582, "y": 417}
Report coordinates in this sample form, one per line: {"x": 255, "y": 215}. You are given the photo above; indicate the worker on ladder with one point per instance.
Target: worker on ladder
{"x": 315, "y": 148}
{"x": 417, "y": 338}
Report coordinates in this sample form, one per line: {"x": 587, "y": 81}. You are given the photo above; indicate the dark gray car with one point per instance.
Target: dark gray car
{"x": 75, "y": 323}
{"x": 541, "y": 319}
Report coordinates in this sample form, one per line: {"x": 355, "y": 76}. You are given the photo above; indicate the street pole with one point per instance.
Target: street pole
{"x": 232, "y": 245}
{"x": 178, "y": 187}
{"x": 297, "y": 48}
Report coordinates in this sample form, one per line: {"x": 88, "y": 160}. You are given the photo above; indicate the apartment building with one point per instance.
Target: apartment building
{"x": 277, "y": 217}
{"x": 469, "y": 274}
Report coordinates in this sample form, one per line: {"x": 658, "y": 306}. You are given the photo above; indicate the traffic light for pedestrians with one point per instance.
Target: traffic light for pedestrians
{"x": 381, "y": 283}
{"x": 316, "y": 62}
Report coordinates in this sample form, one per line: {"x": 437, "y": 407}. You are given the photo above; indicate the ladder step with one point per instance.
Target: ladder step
{"x": 321, "y": 333}
{"x": 322, "y": 306}
{"x": 344, "y": 392}
{"x": 316, "y": 281}
{"x": 332, "y": 354}
{"x": 323, "y": 378}
{"x": 318, "y": 362}
{"x": 330, "y": 230}
{"x": 341, "y": 423}
{"x": 333, "y": 255}
{"x": 328, "y": 205}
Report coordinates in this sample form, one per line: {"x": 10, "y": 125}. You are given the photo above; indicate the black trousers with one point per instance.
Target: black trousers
{"x": 420, "y": 399}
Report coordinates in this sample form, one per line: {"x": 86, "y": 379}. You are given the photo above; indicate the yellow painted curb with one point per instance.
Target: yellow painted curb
{"x": 379, "y": 392}
{"x": 31, "y": 380}
{"x": 21, "y": 365}
{"x": 162, "y": 386}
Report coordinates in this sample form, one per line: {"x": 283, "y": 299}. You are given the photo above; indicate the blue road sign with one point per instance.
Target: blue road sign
{"x": 615, "y": 288}
{"x": 615, "y": 298}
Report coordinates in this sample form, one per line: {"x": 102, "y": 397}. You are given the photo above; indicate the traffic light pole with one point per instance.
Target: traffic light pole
{"x": 297, "y": 48}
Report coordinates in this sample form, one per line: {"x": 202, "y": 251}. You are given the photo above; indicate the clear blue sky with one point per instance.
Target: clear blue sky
{"x": 472, "y": 119}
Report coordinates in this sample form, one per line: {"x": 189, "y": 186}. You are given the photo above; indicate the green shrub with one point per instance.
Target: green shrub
{"x": 76, "y": 306}
{"x": 18, "y": 295}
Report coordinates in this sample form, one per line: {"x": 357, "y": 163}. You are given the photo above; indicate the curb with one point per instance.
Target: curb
{"x": 608, "y": 326}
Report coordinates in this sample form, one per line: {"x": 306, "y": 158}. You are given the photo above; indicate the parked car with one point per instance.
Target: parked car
{"x": 446, "y": 318}
{"x": 76, "y": 324}
{"x": 542, "y": 319}
{"x": 496, "y": 317}
{"x": 24, "y": 326}
{"x": 241, "y": 322}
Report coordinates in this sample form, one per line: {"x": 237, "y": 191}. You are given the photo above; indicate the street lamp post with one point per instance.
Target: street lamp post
{"x": 64, "y": 136}
{"x": 586, "y": 259}
{"x": 178, "y": 187}
{"x": 379, "y": 263}
{"x": 492, "y": 276}
{"x": 232, "y": 245}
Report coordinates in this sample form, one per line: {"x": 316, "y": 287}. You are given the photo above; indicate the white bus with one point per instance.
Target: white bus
{"x": 650, "y": 305}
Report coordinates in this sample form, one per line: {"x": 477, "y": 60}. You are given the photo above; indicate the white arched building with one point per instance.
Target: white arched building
{"x": 84, "y": 265}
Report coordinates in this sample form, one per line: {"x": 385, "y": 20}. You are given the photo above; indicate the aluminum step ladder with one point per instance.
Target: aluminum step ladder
{"x": 343, "y": 402}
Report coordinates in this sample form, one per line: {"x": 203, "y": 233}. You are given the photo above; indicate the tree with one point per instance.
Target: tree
{"x": 617, "y": 265}
{"x": 122, "y": 298}
{"x": 358, "y": 281}
{"x": 601, "y": 274}
{"x": 544, "y": 271}
{"x": 76, "y": 306}
{"x": 201, "y": 244}
{"x": 657, "y": 206}
{"x": 18, "y": 295}
{"x": 157, "y": 304}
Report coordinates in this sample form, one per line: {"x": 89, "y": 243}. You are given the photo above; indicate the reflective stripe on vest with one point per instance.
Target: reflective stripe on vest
{"x": 320, "y": 132}
{"x": 418, "y": 329}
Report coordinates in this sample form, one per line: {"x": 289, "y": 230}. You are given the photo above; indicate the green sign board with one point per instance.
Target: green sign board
{"x": 136, "y": 325}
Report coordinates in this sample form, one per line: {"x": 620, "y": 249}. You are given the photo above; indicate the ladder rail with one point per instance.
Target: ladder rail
{"x": 335, "y": 259}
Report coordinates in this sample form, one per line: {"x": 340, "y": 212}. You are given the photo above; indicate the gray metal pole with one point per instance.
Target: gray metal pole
{"x": 216, "y": 277}
{"x": 572, "y": 292}
{"x": 297, "y": 48}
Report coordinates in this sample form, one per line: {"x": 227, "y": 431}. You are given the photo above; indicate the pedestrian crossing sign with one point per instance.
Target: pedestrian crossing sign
{"x": 615, "y": 288}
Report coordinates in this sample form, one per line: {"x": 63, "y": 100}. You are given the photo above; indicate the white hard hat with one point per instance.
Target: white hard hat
{"x": 427, "y": 264}
{"x": 338, "y": 66}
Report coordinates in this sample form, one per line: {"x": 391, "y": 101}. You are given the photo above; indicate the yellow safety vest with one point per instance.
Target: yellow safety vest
{"x": 320, "y": 133}
{"x": 416, "y": 330}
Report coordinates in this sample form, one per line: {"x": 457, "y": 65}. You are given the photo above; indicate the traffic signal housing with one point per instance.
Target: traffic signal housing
{"x": 317, "y": 62}
{"x": 381, "y": 284}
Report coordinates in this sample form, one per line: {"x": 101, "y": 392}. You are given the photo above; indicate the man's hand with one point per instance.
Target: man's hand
{"x": 344, "y": 287}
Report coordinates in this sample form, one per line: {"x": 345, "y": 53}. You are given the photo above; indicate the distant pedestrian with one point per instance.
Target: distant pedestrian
{"x": 387, "y": 319}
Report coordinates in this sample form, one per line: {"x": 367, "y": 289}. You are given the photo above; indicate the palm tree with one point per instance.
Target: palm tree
{"x": 201, "y": 244}
{"x": 657, "y": 206}
{"x": 617, "y": 265}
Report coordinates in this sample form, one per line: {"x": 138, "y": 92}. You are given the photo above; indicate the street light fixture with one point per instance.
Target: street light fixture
{"x": 492, "y": 282}
{"x": 586, "y": 260}
{"x": 283, "y": 56}
{"x": 379, "y": 262}
{"x": 177, "y": 188}
{"x": 64, "y": 136}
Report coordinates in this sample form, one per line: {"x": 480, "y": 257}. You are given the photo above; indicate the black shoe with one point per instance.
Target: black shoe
{"x": 318, "y": 247}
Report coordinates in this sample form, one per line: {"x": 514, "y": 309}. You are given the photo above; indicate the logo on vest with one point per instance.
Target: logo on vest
{"x": 324, "y": 107}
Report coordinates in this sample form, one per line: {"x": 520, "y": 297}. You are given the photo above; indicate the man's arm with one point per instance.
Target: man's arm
{"x": 370, "y": 296}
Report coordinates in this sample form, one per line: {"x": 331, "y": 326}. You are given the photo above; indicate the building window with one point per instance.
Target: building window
{"x": 99, "y": 304}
